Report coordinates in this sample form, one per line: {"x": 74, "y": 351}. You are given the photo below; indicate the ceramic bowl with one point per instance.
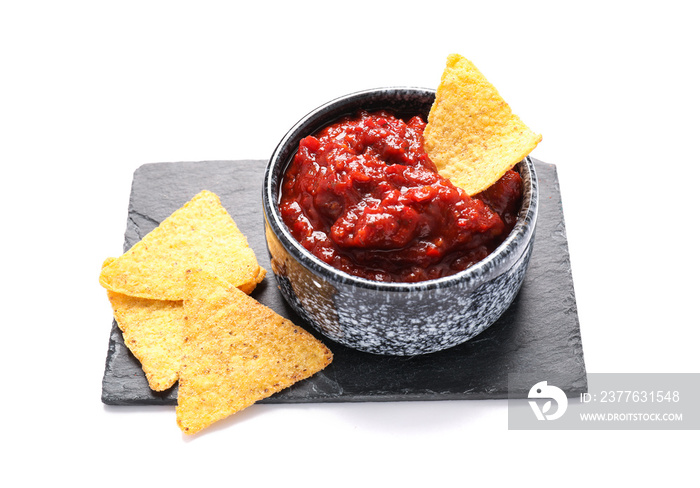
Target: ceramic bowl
{"x": 392, "y": 318}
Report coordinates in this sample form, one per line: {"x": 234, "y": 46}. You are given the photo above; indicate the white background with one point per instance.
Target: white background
{"x": 89, "y": 91}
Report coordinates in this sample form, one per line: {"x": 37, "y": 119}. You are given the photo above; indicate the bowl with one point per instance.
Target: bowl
{"x": 401, "y": 319}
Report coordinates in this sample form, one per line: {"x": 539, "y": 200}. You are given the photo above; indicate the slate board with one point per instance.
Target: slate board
{"x": 538, "y": 337}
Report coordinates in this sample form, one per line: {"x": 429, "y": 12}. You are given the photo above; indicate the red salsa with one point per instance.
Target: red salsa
{"x": 363, "y": 196}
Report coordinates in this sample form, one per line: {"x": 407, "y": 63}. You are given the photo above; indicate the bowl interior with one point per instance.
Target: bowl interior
{"x": 404, "y": 103}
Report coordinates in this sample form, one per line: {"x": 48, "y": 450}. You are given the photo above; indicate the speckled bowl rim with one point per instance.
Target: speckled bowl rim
{"x": 502, "y": 258}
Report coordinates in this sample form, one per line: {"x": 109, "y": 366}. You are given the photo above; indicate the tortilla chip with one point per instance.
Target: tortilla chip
{"x": 151, "y": 330}
{"x": 201, "y": 234}
{"x": 472, "y": 135}
{"x": 236, "y": 351}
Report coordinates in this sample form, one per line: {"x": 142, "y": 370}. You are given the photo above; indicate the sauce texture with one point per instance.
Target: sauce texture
{"x": 363, "y": 196}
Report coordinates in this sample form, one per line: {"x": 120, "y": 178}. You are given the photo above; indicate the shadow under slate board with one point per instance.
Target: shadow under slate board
{"x": 538, "y": 337}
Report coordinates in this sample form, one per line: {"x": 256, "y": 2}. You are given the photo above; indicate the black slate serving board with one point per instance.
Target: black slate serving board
{"x": 538, "y": 337}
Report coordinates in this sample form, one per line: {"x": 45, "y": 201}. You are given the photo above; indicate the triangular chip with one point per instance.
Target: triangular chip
{"x": 201, "y": 234}
{"x": 236, "y": 351}
{"x": 151, "y": 330}
{"x": 472, "y": 135}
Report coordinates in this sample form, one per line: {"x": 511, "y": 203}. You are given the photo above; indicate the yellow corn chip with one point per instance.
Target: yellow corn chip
{"x": 201, "y": 234}
{"x": 152, "y": 332}
{"x": 236, "y": 351}
{"x": 472, "y": 135}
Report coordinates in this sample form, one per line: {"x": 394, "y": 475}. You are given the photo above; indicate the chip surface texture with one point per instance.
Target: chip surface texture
{"x": 200, "y": 234}
{"x": 236, "y": 351}
{"x": 472, "y": 135}
{"x": 151, "y": 330}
